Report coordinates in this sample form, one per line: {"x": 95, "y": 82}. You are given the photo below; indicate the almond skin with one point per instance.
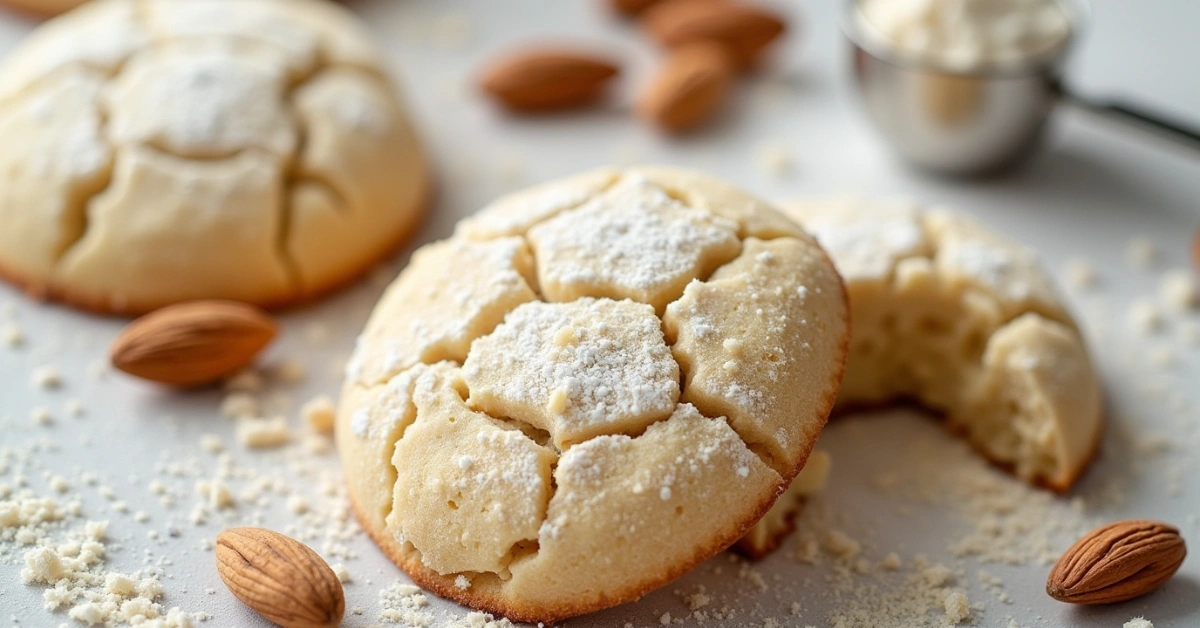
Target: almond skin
{"x": 690, "y": 86}
{"x": 194, "y": 343}
{"x": 1117, "y": 562}
{"x": 743, "y": 29}
{"x": 280, "y": 578}
{"x": 547, "y": 79}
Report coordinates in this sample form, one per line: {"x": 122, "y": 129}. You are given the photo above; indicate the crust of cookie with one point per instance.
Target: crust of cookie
{"x": 95, "y": 305}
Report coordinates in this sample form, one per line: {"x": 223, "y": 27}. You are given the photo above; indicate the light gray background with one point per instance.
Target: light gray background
{"x": 1096, "y": 185}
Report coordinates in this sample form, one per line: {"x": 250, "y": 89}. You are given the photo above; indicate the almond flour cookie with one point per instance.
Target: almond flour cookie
{"x": 158, "y": 151}
{"x": 593, "y": 386}
{"x": 967, "y": 323}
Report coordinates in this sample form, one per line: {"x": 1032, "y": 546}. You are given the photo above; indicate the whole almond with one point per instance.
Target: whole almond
{"x": 1117, "y": 562}
{"x": 690, "y": 86}
{"x": 194, "y": 343}
{"x": 745, "y": 30}
{"x": 546, "y": 79}
{"x": 280, "y": 578}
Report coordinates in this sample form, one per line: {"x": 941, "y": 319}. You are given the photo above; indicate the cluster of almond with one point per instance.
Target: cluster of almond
{"x": 708, "y": 43}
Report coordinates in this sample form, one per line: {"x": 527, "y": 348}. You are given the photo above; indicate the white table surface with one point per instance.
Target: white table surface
{"x": 1095, "y": 186}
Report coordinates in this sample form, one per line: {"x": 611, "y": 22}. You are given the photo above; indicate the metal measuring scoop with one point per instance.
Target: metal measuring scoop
{"x": 973, "y": 121}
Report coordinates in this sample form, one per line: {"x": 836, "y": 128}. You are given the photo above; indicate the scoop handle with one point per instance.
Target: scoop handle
{"x": 1135, "y": 114}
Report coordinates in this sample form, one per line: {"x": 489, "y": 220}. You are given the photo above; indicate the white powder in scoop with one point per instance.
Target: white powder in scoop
{"x": 967, "y": 34}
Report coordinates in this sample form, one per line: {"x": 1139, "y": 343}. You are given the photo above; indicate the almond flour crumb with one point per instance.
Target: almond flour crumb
{"x": 891, "y": 562}
{"x": 74, "y": 407}
{"x": 1178, "y": 289}
{"x": 319, "y": 414}
{"x": 211, "y": 443}
{"x": 1145, "y": 317}
{"x": 41, "y": 416}
{"x": 343, "y": 574}
{"x": 239, "y": 405}
{"x": 958, "y": 609}
{"x": 263, "y": 433}
{"x": 404, "y": 604}
{"x": 1138, "y": 622}
{"x": 11, "y": 335}
{"x": 46, "y": 376}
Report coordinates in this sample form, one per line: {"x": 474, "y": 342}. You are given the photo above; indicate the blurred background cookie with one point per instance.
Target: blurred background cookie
{"x": 163, "y": 151}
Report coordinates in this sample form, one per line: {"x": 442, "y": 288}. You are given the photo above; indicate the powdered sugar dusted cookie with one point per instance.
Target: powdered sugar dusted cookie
{"x": 969, "y": 324}
{"x": 592, "y": 387}
{"x": 158, "y": 151}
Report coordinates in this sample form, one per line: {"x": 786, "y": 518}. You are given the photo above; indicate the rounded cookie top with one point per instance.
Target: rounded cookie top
{"x": 968, "y": 322}
{"x": 160, "y": 151}
{"x": 593, "y": 386}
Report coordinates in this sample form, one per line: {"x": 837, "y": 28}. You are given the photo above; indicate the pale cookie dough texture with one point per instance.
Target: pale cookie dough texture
{"x": 593, "y": 386}
{"x": 967, "y": 323}
{"x": 157, "y": 151}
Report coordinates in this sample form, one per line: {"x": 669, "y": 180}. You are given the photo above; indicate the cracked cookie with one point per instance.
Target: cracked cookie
{"x": 968, "y": 324}
{"x": 160, "y": 151}
{"x": 593, "y": 386}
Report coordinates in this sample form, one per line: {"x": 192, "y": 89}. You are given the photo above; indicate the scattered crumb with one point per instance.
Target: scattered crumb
{"x": 319, "y": 414}
{"x": 12, "y": 335}
{"x": 212, "y": 444}
{"x": 1138, "y": 622}
{"x": 46, "y": 376}
{"x": 74, "y": 407}
{"x": 343, "y": 574}
{"x": 41, "y": 415}
{"x": 239, "y": 405}
{"x": 1145, "y": 317}
{"x": 290, "y": 371}
{"x": 263, "y": 433}
{"x": 1179, "y": 289}
{"x": 958, "y": 609}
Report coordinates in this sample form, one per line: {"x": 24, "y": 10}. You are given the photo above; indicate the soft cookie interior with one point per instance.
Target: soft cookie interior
{"x": 967, "y": 323}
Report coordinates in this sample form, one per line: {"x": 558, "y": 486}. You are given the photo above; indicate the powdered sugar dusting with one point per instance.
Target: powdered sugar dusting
{"x": 577, "y": 369}
{"x": 866, "y": 241}
{"x": 633, "y": 241}
{"x": 202, "y": 104}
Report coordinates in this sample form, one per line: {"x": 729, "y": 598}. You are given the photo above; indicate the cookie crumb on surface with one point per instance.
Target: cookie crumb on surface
{"x": 958, "y": 609}
{"x": 1138, "y": 622}
{"x": 1179, "y": 289}
{"x": 47, "y": 376}
{"x": 263, "y": 433}
{"x": 319, "y": 413}
{"x": 1145, "y": 317}
{"x": 12, "y": 335}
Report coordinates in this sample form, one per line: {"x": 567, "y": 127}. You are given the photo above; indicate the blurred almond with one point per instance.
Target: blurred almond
{"x": 744, "y": 29}
{"x": 280, "y": 578}
{"x": 547, "y": 79}
{"x": 1117, "y": 562}
{"x": 631, "y": 7}
{"x": 688, "y": 88}
{"x": 194, "y": 343}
